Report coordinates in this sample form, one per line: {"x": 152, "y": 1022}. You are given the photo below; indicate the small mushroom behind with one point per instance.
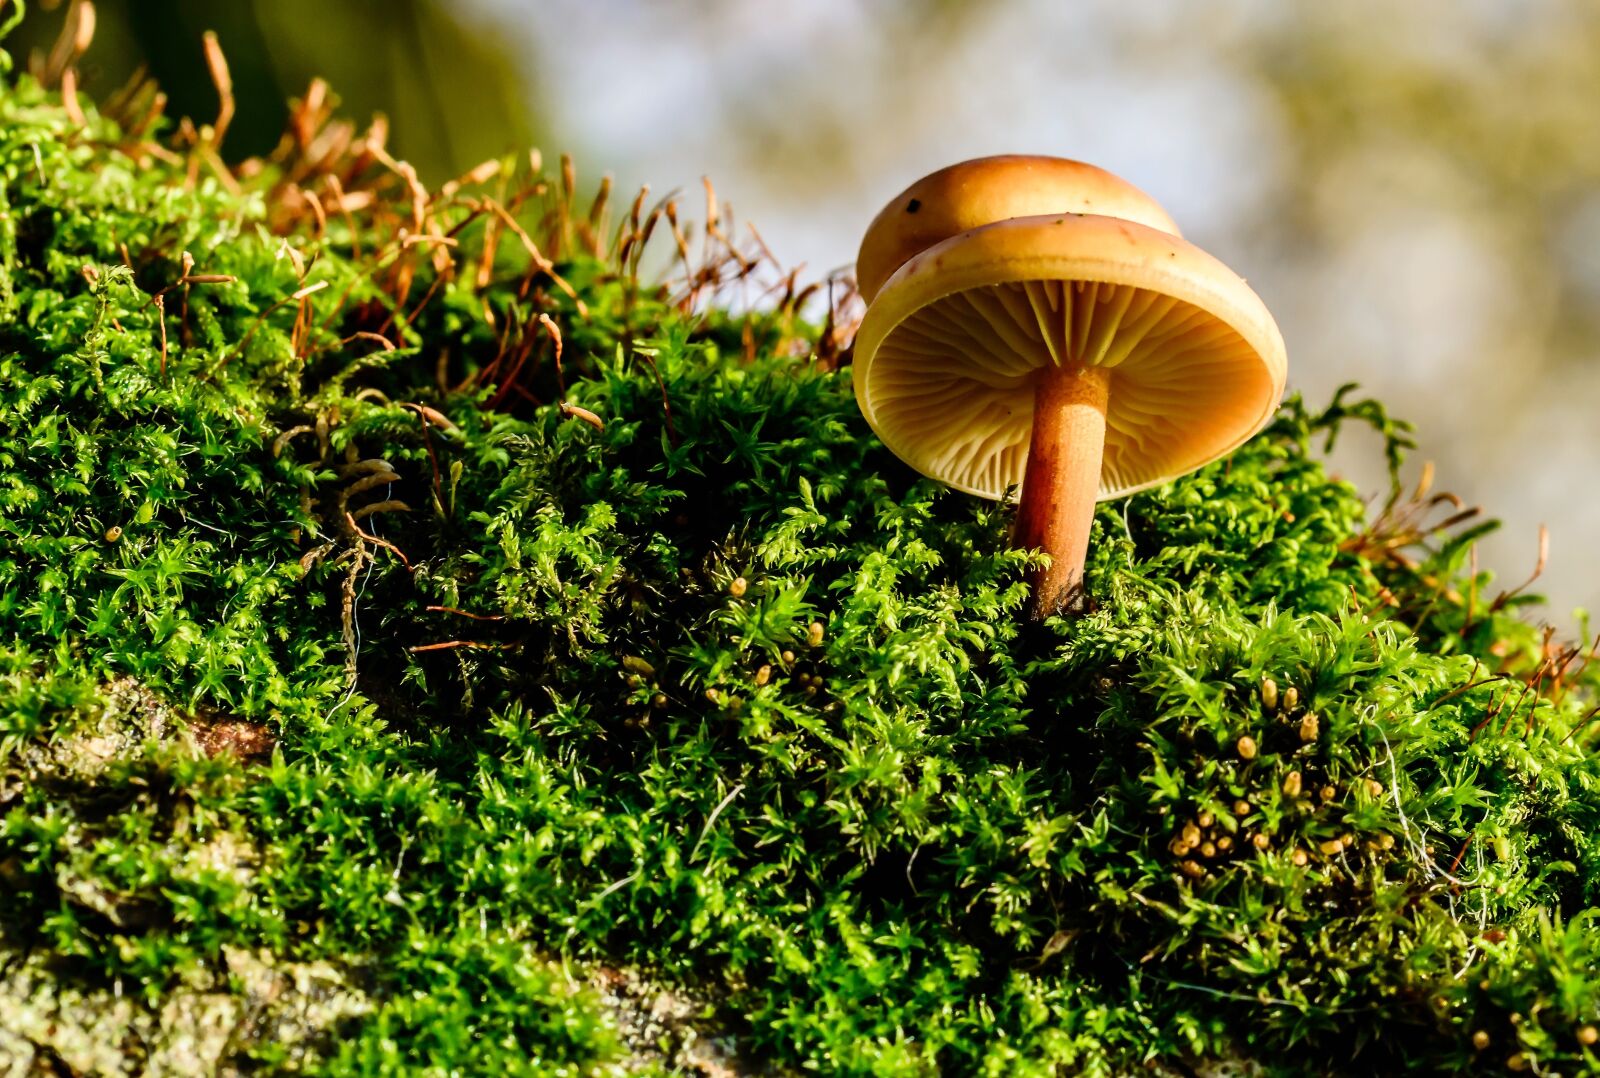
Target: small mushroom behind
{"x": 1082, "y": 356}
{"x": 989, "y": 189}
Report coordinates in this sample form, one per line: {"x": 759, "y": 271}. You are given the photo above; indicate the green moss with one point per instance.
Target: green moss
{"x": 716, "y": 693}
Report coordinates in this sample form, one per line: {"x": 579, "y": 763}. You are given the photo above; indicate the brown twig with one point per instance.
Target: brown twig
{"x": 543, "y": 264}
{"x": 161, "y": 321}
{"x": 1538, "y": 571}
{"x": 1581, "y": 723}
{"x": 77, "y": 32}
{"x": 396, "y": 551}
{"x": 1489, "y": 713}
{"x": 423, "y": 415}
{"x": 69, "y": 98}
{"x": 1468, "y": 687}
{"x": 193, "y": 278}
{"x": 666, "y": 405}
{"x": 1529, "y": 686}
{"x": 553, "y": 331}
{"x": 217, "y": 64}
{"x": 465, "y": 613}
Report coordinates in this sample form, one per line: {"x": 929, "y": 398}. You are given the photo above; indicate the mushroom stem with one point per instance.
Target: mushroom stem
{"x": 1062, "y": 481}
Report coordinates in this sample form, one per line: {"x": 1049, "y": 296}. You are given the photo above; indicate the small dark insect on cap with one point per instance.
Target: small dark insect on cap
{"x": 914, "y": 205}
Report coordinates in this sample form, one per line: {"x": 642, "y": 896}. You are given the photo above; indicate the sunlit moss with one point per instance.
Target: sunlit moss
{"x": 710, "y": 687}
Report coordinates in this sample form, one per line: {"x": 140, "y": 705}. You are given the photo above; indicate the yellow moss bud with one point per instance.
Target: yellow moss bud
{"x": 1480, "y": 1039}
{"x": 763, "y": 674}
{"x": 1588, "y": 1035}
{"x": 634, "y": 664}
{"x": 816, "y": 632}
{"x": 1247, "y": 747}
{"x": 1309, "y": 727}
{"x": 739, "y": 586}
{"x": 1291, "y": 698}
{"x": 1260, "y": 841}
{"x": 1299, "y": 857}
{"x": 1205, "y": 819}
{"x": 1269, "y": 694}
{"x": 1291, "y": 784}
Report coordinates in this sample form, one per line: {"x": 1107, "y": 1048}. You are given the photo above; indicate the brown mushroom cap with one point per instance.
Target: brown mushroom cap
{"x": 988, "y": 189}
{"x": 946, "y": 357}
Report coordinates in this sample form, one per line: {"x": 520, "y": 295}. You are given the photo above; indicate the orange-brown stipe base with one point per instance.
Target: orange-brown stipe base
{"x": 1062, "y": 482}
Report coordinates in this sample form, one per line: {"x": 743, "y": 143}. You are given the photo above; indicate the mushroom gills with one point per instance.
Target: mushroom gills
{"x": 969, "y": 360}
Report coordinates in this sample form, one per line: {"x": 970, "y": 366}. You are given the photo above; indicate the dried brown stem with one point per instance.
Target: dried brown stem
{"x": 217, "y": 64}
{"x": 446, "y": 644}
{"x": 465, "y": 613}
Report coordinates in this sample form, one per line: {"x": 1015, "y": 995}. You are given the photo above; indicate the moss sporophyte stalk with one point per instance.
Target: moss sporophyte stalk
{"x": 378, "y": 695}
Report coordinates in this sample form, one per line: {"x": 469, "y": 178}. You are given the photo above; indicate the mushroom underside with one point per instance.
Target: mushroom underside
{"x": 1185, "y": 388}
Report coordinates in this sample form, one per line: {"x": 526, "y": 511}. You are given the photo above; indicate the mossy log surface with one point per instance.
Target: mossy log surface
{"x": 430, "y": 645}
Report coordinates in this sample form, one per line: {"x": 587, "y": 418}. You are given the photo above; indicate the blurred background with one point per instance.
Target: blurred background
{"x": 1413, "y": 188}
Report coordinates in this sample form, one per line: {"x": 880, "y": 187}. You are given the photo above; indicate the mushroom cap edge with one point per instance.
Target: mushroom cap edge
{"x": 1074, "y": 247}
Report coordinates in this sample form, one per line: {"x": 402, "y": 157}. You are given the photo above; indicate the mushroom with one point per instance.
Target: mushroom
{"x": 1039, "y": 322}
